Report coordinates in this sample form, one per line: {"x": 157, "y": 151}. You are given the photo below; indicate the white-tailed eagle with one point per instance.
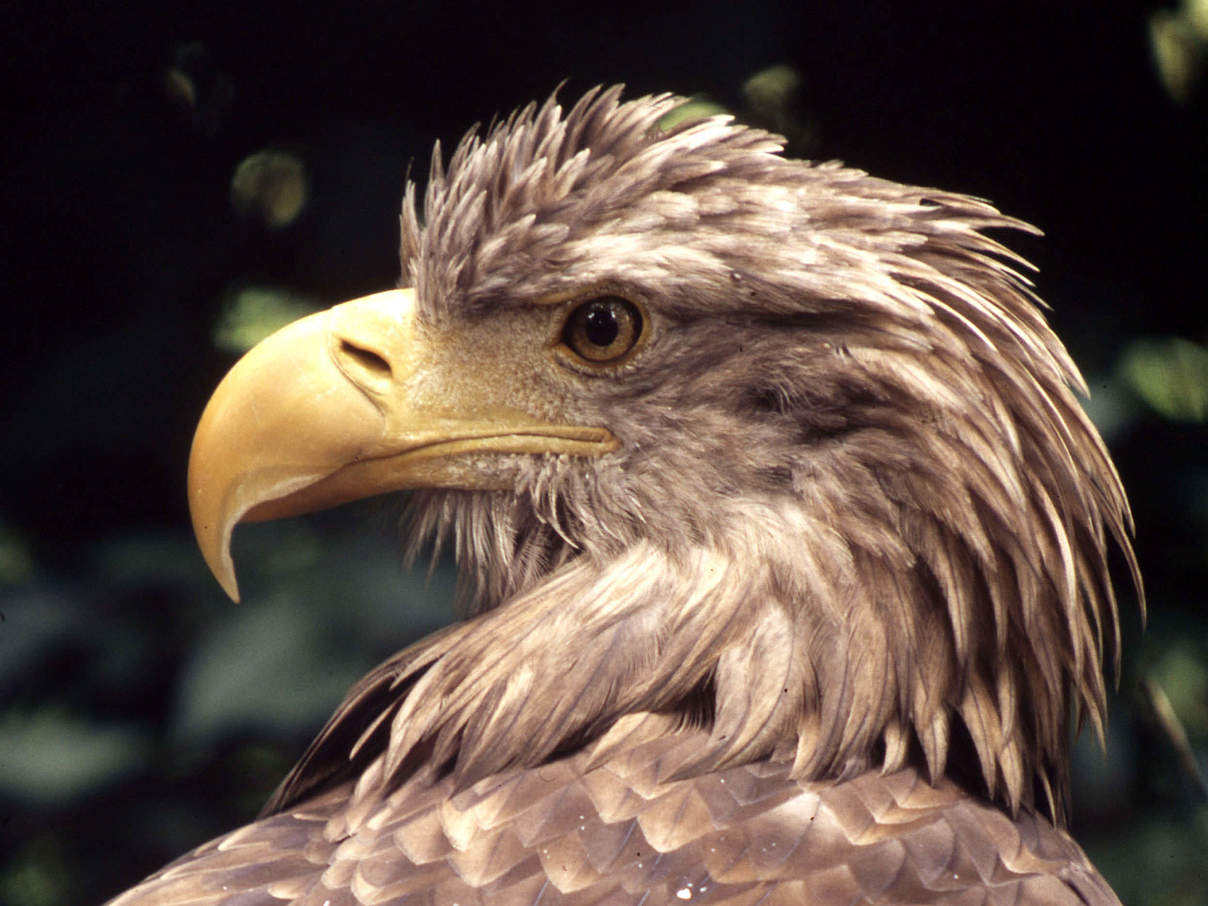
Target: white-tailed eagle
{"x": 785, "y": 534}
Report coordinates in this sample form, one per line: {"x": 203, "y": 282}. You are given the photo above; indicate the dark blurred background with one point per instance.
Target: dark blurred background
{"x": 178, "y": 179}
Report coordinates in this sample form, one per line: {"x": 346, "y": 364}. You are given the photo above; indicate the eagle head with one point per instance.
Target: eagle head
{"x": 720, "y": 438}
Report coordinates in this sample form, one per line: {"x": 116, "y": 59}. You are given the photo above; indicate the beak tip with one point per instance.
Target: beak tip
{"x": 215, "y": 546}
{"x": 226, "y": 578}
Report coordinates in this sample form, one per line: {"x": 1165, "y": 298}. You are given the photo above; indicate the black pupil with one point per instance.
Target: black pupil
{"x": 600, "y": 325}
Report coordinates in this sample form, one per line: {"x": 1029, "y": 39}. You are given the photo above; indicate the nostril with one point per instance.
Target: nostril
{"x": 366, "y": 358}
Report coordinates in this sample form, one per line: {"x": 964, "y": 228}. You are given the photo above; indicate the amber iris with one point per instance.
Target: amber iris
{"x": 603, "y": 329}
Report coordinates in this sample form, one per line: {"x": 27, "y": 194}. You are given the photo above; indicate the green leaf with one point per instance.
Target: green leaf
{"x": 254, "y": 312}
{"x": 1171, "y": 376}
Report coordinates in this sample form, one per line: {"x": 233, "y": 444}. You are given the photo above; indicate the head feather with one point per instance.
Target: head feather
{"x": 857, "y": 512}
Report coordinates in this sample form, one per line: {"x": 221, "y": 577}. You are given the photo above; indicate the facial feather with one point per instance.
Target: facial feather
{"x": 856, "y": 502}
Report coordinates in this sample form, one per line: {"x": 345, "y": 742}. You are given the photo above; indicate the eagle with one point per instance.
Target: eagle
{"x": 783, "y": 536}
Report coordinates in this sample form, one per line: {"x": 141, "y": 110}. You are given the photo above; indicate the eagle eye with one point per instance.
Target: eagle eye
{"x": 603, "y": 329}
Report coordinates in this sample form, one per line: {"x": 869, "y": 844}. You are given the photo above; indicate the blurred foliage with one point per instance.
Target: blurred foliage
{"x": 198, "y": 87}
{"x": 16, "y": 567}
{"x": 139, "y": 693}
{"x": 773, "y": 91}
{"x": 1179, "y": 39}
{"x": 1184, "y": 671}
{"x": 51, "y": 755}
{"x": 1169, "y": 375}
{"x": 251, "y": 313}
{"x": 774, "y": 100}
{"x": 695, "y": 108}
{"x": 270, "y": 185}
{"x": 770, "y": 99}
{"x": 150, "y": 204}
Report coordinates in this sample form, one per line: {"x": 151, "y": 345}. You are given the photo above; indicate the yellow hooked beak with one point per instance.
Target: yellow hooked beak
{"x": 333, "y": 408}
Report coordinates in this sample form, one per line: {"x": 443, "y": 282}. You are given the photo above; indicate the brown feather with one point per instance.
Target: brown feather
{"x": 620, "y": 832}
{"x": 822, "y": 615}
{"x": 923, "y": 501}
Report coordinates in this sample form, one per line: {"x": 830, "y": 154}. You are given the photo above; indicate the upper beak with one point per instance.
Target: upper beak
{"x": 323, "y": 412}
